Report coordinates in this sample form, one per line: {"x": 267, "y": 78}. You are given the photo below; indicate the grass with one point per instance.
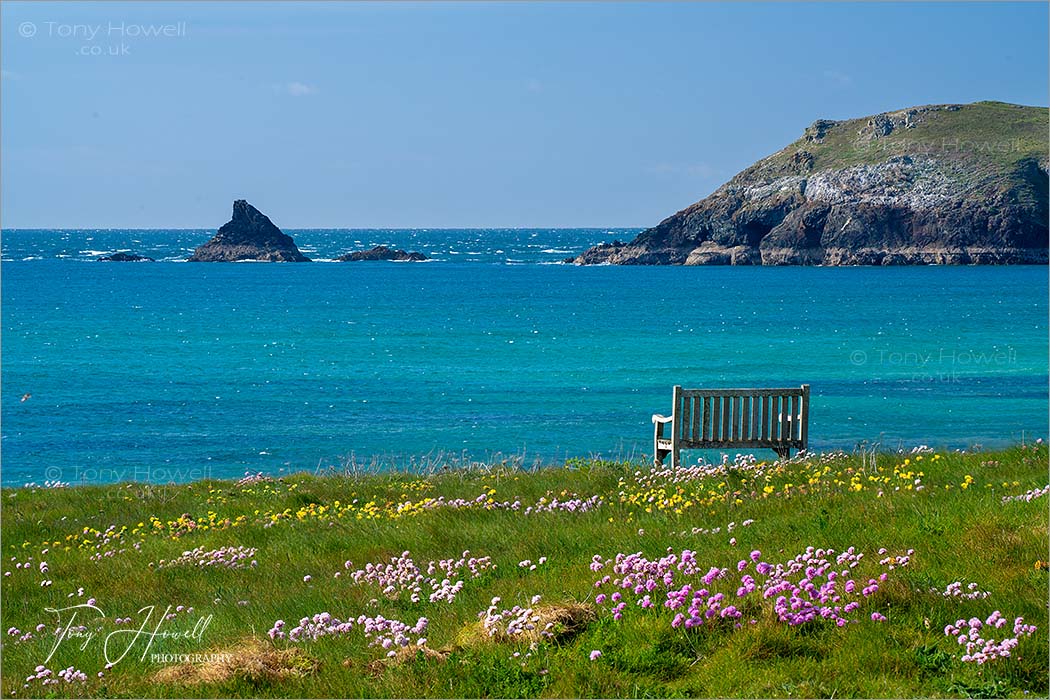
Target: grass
{"x": 987, "y": 140}
{"x": 947, "y": 507}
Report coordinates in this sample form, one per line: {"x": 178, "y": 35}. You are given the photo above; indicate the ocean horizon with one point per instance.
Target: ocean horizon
{"x": 158, "y": 372}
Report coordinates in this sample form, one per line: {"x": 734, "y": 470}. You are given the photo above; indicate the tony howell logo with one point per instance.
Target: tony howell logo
{"x": 947, "y": 365}
{"x": 117, "y": 644}
{"x": 111, "y": 38}
{"x": 954, "y": 357}
{"x": 98, "y": 32}
{"x": 944, "y": 145}
{"x": 110, "y": 475}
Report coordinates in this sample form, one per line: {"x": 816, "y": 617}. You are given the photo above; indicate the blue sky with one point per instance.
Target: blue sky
{"x": 458, "y": 114}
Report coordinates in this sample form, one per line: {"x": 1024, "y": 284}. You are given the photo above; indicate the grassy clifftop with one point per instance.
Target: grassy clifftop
{"x": 983, "y": 137}
{"x": 829, "y": 576}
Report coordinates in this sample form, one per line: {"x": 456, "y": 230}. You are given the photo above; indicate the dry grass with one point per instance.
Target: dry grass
{"x": 252, "y": 660}
{"x": 566, "y": 619}
{"x": 403, "y": 655}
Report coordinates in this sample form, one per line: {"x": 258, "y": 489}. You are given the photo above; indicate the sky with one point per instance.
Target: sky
{"x": 358, "y": 115}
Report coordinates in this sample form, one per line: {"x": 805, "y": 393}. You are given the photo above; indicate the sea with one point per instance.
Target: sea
{"x": 495, "y": 350}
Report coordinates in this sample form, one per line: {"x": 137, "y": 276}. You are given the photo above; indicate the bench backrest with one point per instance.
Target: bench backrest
{"x": 774, "y": 418}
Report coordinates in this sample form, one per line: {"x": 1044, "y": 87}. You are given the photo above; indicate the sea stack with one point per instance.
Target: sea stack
{"x": 249, "y": 235}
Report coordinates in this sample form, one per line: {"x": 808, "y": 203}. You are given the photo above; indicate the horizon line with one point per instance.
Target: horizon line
{"x": 324, "y": 228}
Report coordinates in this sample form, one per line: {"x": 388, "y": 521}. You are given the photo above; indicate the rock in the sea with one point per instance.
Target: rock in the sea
{"x": 931, "y": 185}
{"x": 381, "y": 252}
{"x": 125, "y": 257}
{"x": 249, "y": 235}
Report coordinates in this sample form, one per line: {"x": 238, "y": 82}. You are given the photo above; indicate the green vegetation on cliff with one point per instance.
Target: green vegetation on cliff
{"x": 993, "y": 136}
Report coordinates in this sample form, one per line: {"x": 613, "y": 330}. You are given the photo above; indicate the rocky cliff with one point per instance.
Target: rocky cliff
{"x": 939, "y": 184}
{"x": 249, "y": 235}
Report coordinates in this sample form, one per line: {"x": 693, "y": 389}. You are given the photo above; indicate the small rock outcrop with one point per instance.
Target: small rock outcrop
{"x": 249, "y": 235}
{"x": 382, "y": 252}
{"x": 930, "y": 185}
{"x": 125, "y": 257}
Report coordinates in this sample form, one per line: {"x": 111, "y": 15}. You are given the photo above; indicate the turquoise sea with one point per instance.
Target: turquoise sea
{"x": 171, "y": 371}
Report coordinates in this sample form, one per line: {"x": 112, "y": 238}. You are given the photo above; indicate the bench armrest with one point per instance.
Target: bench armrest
{"x": 657, "y": 418}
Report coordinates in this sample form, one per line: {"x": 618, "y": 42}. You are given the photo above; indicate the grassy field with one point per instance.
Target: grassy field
{"x": 826, "y": 576}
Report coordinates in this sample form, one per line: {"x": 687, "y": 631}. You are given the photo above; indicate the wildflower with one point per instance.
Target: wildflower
{"x": 595, "y": 654}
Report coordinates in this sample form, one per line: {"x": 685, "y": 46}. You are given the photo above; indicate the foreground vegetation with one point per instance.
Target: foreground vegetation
{"x": 862, "y": 575}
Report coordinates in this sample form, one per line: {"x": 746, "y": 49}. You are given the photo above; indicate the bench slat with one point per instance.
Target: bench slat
{"x": 785, "y": 418}
{"x": 764, "y": 433}
{"x": 774, "y": 426}
{"x": 804, "y": 427}
{"x": 795, "y": 428}
{"x": 771, "y": 444}
{"x": 738, "y": 422}
{"x": 687, "y": 403}
{"x": 745, "y": 429}
{"x": 727, "y": 410}
{"x": 716, "y": 418}
{"x": 796, "y": 391}
{"x": 706, "y": 430}
{"x": 696, "y": 417}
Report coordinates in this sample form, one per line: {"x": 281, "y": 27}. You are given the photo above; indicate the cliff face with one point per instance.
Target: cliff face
{"x": 940, "y": 184}
{"x": 249, "y": 235}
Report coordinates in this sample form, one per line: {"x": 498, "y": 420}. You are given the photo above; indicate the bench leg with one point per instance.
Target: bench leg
{"x": 658, "y": 454}
{"x": 783, "y": 452}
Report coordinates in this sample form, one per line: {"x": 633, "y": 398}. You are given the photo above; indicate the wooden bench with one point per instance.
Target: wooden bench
{"x": 777, "y": 419}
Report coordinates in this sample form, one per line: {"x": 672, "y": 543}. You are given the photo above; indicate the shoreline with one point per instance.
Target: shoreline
{"x": 463, "y": 465}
